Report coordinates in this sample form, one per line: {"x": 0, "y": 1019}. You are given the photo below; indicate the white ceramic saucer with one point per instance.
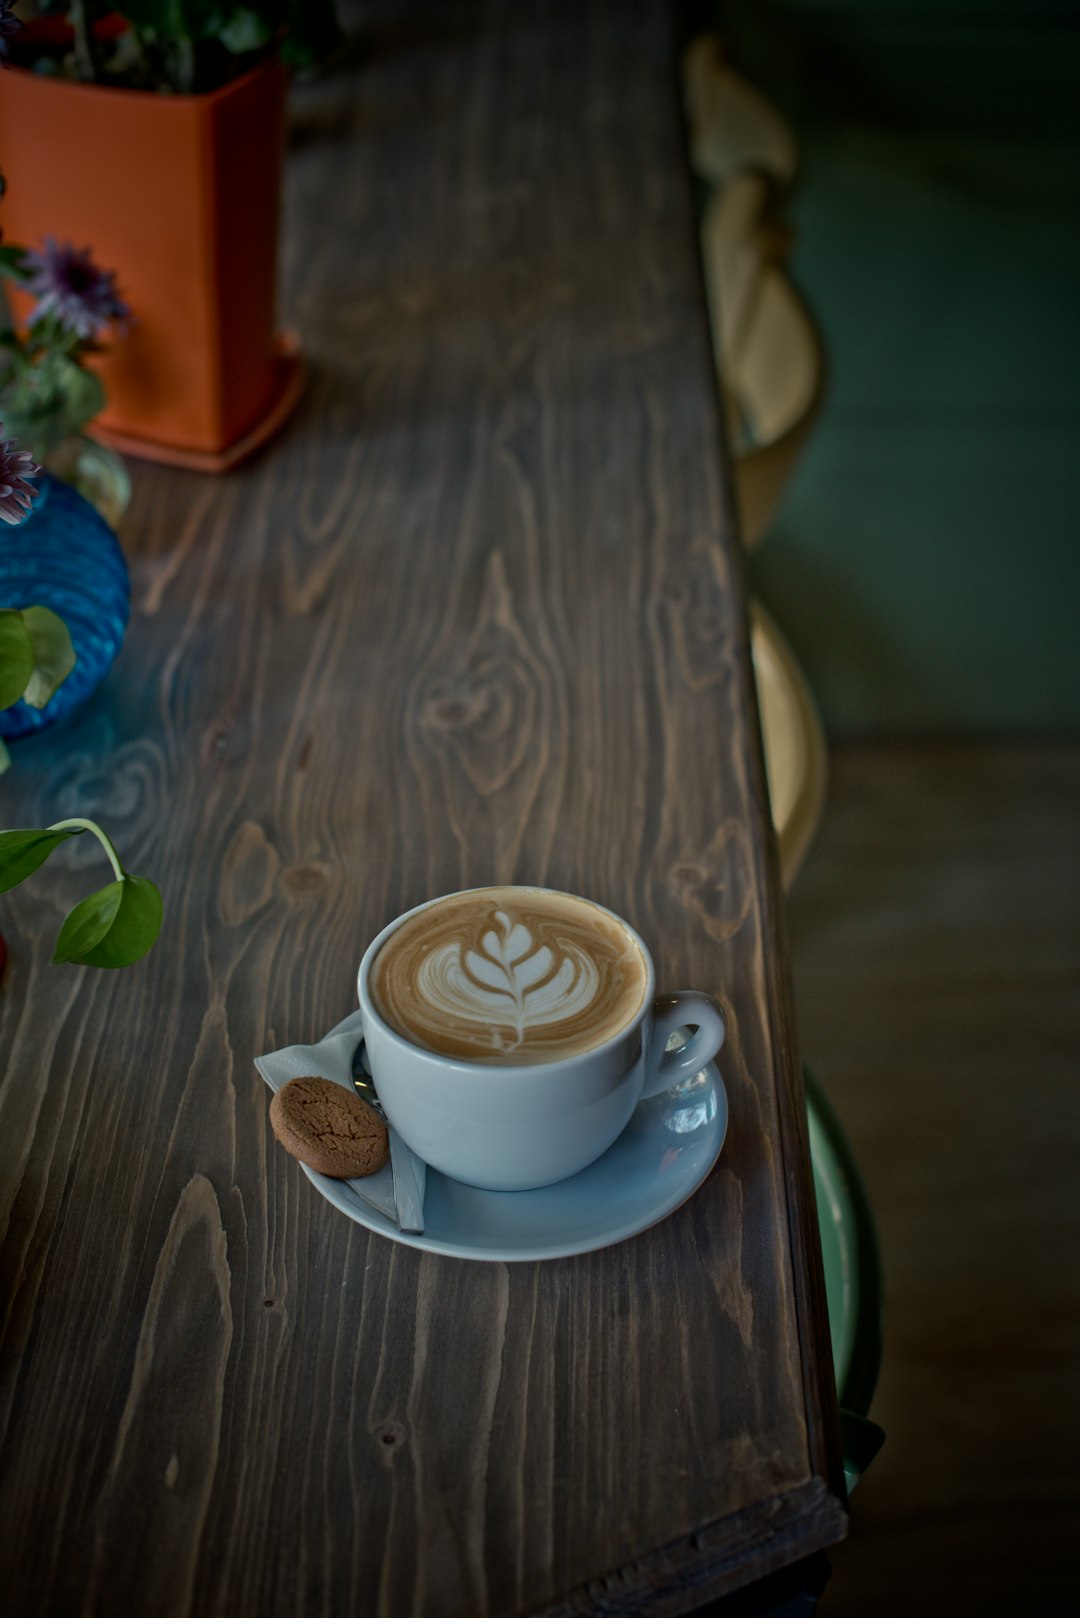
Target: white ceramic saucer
{"x": 661, "y": 1158}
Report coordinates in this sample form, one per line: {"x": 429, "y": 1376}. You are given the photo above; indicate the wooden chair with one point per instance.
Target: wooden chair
{"x": 732, "y": 125}
{"x": 768, "y": 353}
{"x": 771, "y": 369}
{"x": 796, "y": 756}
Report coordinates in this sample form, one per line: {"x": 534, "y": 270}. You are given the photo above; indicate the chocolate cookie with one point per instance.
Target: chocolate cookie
{"x": 329, "y": 1128}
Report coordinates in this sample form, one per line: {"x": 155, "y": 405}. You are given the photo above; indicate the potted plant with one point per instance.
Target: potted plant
{"x": 155, "y": 129}
{"x": 116, "y": 925}
{"x": 64, "y": 587}
{"x": 48, "y": 395}
{"x": 64, "y": 597}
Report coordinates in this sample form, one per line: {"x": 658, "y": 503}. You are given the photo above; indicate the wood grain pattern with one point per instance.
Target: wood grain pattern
{"x": 476, "y": 617}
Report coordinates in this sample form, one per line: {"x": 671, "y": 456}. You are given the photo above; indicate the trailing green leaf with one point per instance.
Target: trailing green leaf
{"x": 87, "y": 923}
{"x": 114, "y": 926}
{"x": 24, "y": 849}
{"x": 111, "y": 928}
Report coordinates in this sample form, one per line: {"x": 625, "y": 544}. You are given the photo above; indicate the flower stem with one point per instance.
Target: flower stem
{"x": 185, "y": 65}
{"x": 90, "y": 825}
{"x": 82, "y": 24}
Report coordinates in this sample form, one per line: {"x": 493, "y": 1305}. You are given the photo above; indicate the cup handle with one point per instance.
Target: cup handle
{"x": 671, "y": 1011}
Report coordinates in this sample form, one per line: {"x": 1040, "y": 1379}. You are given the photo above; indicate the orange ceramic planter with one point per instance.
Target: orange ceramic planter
{"x": 180, "y": 196}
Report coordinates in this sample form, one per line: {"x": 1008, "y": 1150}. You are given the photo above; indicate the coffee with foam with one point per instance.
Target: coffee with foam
{"x": 509, "y": 975}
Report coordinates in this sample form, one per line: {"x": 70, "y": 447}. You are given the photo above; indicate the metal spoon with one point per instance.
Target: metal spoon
{"x": 363, "y": 1081}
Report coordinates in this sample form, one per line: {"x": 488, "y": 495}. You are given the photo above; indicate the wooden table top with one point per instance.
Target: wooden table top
{"x": 477, "y": 616}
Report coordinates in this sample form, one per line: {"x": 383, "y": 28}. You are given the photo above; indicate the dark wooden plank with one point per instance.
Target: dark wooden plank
{"x": 477, "y": 616}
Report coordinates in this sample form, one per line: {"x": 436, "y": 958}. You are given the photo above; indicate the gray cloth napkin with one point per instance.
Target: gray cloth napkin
{"x": 397, "y": 1190}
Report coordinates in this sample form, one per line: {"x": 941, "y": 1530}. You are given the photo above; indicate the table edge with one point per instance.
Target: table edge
{"x": 713, "y": 1561}
{"x": 807, "y": 1266}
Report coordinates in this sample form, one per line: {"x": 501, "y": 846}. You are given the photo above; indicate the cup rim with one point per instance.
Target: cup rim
{"x": 457, "y": 1064}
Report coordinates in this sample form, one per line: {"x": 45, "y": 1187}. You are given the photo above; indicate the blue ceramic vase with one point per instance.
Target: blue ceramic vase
{"x": 65, "y": 556}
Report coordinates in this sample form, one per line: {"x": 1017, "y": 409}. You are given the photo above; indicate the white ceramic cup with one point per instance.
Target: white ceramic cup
{"x": 512, "y": 1128}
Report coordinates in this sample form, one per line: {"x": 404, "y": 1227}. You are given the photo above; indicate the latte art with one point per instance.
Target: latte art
{"x": 511, "y": 978}
{"x": 509, "y": 975}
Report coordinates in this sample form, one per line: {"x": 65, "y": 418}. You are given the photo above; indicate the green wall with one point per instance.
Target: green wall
{"x": 926, "y": 563}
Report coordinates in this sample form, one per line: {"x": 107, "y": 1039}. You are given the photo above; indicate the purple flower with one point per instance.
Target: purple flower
{"x": 8, "y": 25}
{"x": 69, "y": 285}
{"x": 16, "y": 494}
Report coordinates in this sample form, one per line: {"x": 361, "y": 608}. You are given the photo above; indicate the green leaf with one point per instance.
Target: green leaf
{"x": 113, "y": 927}
{"x": 54, "y": 655}
{"x": 87, "y": 924}
{"x": 23, "y": 850}
{"x": 5, "y": 757}
{"x": 16, "y": 656}
{"x": 82, "y": 396}
{"x": 48, "y": 399}
{"x": 11, "y": 261}
{"x": 245, "y": 31}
